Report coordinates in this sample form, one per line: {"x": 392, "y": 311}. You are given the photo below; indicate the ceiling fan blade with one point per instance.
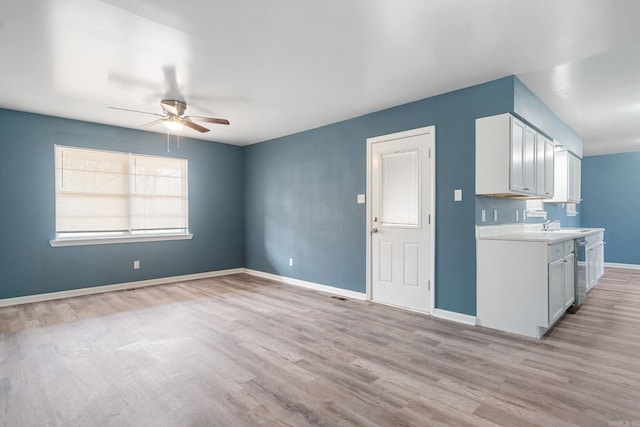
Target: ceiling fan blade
{"x": 194, "y": 126}
{"x": 136, "y": 111}
{"x": 155, "y": 122}
{"x": 208, "y": 120}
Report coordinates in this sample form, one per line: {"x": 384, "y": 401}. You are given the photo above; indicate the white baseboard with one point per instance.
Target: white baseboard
{"x": 455, "y": 317}
{"x": 116, "y": 287}
{"x": 618, "y": 265}
{"x": 443, "y": 314}
{"x": 309, "y": 285}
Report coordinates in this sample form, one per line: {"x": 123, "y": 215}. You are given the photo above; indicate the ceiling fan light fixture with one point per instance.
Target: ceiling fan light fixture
{"x": 173, "y": 124}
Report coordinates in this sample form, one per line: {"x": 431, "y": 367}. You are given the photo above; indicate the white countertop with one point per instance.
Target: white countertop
{"x": 532, "y": 233}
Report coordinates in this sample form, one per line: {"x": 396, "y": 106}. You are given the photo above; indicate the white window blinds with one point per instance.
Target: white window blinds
{"x": 104, "y": 192}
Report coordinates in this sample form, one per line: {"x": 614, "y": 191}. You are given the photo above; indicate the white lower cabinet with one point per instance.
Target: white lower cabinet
{"x": 594, "y": 259}
{"x": 561, "y": 285}
{"x": 562, "y": 270}
{"x": 569, "y": 273}
{"x": 524, "y": 287}
{"x": 556, "y": 289}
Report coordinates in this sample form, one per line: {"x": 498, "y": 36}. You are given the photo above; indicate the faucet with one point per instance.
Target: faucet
{"x": 546, "y": 226}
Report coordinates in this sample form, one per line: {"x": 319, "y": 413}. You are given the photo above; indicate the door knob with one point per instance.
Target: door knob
{"x": 374, "y": 230}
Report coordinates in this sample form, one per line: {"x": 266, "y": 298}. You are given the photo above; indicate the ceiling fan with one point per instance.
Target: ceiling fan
{"x": 174, "y": 119}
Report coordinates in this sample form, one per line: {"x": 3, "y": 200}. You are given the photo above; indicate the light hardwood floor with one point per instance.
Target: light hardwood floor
{"x": 240, "y": 350}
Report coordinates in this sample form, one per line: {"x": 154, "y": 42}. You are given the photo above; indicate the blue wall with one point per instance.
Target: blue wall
{"x": 258, "y": 206}
{"x": 29, "y": 265}
{"x": 528, "y": 107}
{"x": 506, "y": 212}
{"x": 611, "y": 200}
{"x": 301, "y": 194}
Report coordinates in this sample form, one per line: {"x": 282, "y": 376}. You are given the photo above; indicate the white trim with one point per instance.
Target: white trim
{"x": 122, "y": 239}
{"x": 413, "y": 310}
{"x": 442, "y": 314}
{"x": 368, "y": 221}
{"x": 619, "y": 265}
{"x": 455, "y": 317}
{"x": 432, "y": 163}
{"x": 116, "y": 287}
{"x": 309, "y": 285}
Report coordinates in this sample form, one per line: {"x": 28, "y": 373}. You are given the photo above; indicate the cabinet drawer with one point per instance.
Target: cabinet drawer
{"x": 568, "y": 247}
{"x": 556, "y": 251}
{"x": 592, "y": 239}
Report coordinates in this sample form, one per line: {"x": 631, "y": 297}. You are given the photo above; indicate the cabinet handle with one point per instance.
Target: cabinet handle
{"x": 526, "y": 189}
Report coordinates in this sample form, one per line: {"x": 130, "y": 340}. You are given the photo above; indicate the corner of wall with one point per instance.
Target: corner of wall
{"x": 530, "y": 108}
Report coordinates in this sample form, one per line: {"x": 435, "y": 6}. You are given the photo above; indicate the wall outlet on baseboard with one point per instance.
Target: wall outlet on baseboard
{"x": 290, "y": 262}
{"x": 136, "y": 265}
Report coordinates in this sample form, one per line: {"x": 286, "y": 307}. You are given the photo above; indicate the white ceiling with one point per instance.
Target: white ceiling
{"x": 276, "y": 67}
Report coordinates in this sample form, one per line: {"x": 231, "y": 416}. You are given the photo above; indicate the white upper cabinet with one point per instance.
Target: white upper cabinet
{"x": 567, "y": 178}
{"x": 544, "y": 166}
{"x": 575, "y": 172}
{"x": 512, "y": 159}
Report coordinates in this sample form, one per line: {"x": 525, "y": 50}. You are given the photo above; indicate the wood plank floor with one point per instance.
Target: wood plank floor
{"x": 240, "y": 350}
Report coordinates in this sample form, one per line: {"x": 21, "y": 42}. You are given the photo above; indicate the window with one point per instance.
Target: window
{"x": 108, "y": 197}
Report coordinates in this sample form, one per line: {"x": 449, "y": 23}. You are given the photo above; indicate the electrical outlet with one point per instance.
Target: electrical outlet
{"x": 484, "y": 215}
{"x": 495, "y": 215}
{"x": 136, "y": 265}
{"x": 290, "y": 262}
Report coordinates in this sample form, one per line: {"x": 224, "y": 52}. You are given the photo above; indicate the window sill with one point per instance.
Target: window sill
{"x": 112, "y": 240}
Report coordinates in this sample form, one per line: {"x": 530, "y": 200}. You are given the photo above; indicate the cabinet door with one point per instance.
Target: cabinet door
{"x": 556, "y": 302}
{"x": 568, "y": 280}
{"x": 599, "y": 262}
{"x": 517, "y": 172}
{"x": 549, "y": 167}
{"x": 590, "y": 260}
{"x": 530, "y": 137}
{"x": 574, "y": 166}
{"x": 544, "y": 166}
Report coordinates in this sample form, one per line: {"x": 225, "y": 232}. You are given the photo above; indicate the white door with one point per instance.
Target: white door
{"x": 401, "y": 219}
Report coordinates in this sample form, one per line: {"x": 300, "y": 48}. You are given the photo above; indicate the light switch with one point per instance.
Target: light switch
{"x": 457, "y": 195}
{"x": 484, "y": 215}
{"x": 495, "y": 215}
{"x": 361, "y": 198}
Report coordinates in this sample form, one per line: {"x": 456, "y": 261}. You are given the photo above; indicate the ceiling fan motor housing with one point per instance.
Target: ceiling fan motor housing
{"x": 173, "y": 107}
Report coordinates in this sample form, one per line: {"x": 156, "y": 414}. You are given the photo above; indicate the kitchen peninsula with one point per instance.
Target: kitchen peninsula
{"x": 527, "y": 276}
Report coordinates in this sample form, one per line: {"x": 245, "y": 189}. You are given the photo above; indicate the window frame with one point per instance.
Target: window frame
{"x": 130, "y": 236}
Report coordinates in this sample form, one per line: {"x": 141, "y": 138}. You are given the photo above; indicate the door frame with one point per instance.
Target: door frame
{"x": 431, "y": 161}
